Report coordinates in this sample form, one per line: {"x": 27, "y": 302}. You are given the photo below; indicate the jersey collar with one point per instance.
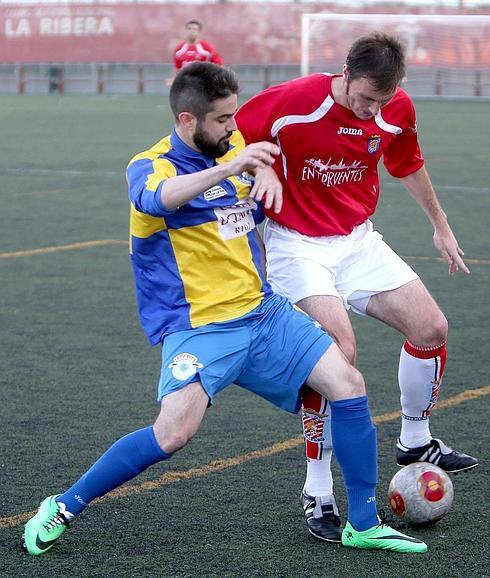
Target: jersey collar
{"x": 182, "y": 149}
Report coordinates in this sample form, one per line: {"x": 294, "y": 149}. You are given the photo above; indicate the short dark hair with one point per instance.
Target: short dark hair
{"x": 194, "y": 22}
{"x": 378, "y": 57}
{"x": 197, "y": 85}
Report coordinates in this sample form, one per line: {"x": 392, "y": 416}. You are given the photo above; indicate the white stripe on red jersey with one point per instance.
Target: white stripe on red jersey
{"x": 330, "y": 157}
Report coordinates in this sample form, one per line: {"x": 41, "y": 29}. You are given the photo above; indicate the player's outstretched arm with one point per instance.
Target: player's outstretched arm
{"x": 178, "y": 190}
{"x": 418, "y": 184}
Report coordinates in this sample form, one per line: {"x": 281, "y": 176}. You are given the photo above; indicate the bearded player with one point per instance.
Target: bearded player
{"x": 322, "y": 251}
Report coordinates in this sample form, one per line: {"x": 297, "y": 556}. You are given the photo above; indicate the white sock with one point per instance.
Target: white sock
{"x": 319, "y": 481}
{"x": 419, "y": 375}
{"x": 415, "y": 434}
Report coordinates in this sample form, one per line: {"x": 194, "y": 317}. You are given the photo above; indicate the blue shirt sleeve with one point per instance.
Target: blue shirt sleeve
{"x": 146, "y": 199}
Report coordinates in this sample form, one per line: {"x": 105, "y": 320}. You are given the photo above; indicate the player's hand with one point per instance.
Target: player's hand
{"x": 255, "y": 156}
{"x": 447, "y": 245}
{"x": 267, "y": 188}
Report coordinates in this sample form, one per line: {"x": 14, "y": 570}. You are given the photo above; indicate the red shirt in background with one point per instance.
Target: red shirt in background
{"x": 201, "y": 50}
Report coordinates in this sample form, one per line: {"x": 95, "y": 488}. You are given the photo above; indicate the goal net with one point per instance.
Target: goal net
{"x": 447, "y": 55}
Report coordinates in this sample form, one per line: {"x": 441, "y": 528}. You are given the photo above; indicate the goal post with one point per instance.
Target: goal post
{"x": 447, "y": 55}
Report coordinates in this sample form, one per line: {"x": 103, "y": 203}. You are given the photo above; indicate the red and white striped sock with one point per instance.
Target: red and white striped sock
{"x": 317, "y": 424}
{"x": 419, "y": 375}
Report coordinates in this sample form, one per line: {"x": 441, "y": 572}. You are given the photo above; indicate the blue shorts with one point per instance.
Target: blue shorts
{"x": 271, "y": 351}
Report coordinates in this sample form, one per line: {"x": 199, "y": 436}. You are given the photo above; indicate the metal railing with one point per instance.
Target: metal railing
{"x": 120, "y": 78}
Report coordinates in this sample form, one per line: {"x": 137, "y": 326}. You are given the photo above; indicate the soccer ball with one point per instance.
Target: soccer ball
{"x": 421, "y": 494}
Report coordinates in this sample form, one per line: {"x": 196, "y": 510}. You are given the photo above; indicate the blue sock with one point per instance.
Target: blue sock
{"x": 124, "y": 460}
{"x": 354, "y": 443}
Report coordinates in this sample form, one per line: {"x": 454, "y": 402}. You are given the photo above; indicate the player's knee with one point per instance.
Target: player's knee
{"x": 352, "y": 383}
{"x": 436, "y": 331}
{"x": 357, "y": 385}
{"x": 173, "y": 441}
{"x": 441, "y": 328}
{"x": 176, "y": 442}
{"x": 430, "y": 331}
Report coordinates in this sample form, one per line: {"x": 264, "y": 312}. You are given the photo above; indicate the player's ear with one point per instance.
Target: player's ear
{"x": 187, "y": 120}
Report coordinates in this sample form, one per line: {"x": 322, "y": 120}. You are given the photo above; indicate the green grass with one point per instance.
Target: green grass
{"x": 77, "y": 372}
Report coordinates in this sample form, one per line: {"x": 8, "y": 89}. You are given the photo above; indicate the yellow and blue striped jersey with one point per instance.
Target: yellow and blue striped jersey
{"x": 200, "y": 263}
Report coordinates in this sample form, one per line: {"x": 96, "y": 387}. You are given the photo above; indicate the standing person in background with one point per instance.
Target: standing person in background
{"x": 55, "y": 77}
{"x": 322, "y": 251}
{"x": 192, "y": 48}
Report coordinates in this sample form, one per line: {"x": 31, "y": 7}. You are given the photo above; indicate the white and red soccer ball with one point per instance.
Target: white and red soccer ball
{"x": 420, "y": 494}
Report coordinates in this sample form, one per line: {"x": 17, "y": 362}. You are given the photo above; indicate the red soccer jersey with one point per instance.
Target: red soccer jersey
{"x": 203, "y": 51}
{"x": 329, "y": 157}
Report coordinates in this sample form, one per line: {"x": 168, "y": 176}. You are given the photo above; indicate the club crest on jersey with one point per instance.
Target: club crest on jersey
{"x": 244, "y": 178}
{"x": 313, "y": 428}
{"x": 374, "y": 143}
{"x": 185, "y": 365}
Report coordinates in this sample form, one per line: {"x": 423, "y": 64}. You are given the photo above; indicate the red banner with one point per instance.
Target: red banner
{"x": 242, "y": 33}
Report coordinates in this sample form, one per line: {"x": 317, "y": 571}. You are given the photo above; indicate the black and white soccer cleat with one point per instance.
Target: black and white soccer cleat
{"x": 437, "y": 453}
{"x": 322, "y": 517}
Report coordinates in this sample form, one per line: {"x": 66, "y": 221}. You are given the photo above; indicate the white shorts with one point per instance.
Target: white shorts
{"x": 352, "y": 267}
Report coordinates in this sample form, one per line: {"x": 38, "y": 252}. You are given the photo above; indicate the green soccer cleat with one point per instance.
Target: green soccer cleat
{"x": 43, "y": 530}
{"x": 381, "y": 537}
